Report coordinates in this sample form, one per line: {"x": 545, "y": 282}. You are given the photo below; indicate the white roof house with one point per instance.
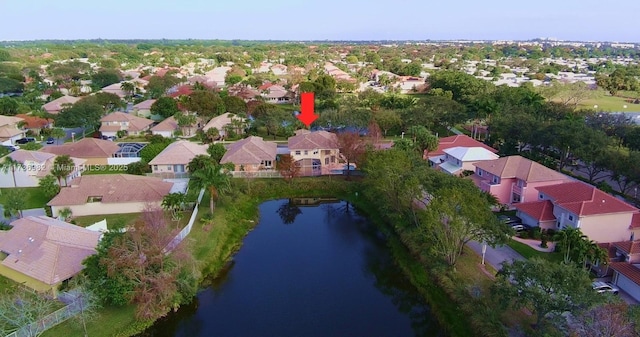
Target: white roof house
{"x": 459, "y": 159}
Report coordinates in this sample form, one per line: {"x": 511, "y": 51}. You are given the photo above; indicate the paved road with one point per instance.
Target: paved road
{"x": 496, "y": 256}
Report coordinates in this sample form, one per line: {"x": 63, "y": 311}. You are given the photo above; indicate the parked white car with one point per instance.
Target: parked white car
{"x": 605, "y": 287}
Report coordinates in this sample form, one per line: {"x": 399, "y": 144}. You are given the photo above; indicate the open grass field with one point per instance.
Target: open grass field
{"x": 610, "y": 103}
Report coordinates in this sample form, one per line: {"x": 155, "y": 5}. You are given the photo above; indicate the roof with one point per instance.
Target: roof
{"x": 221, "y": 121}
{"x": 629, "y": 270}
{"x": 135, "y": 123}
{"x": 539, "y": 210}
{"x": 144, "y": 105}
{"x": 458, "y": 141}
{"x": 583, "y": 199}
{"x": 35, "y": 122}
{"x": 609, "y": 248}
{"x": 180, "y": 152}
{"x": 9, "y": 120}
{"x": 85, "y": 148}
{"x": 113, "y": 188}
{"x": 251, "y": 150}
{"x": 450, "y": 167}
{"x": 628, "y": 247}
{"x": 58, "y": 104}
{"x": 313, "y": 140}
{"x": 42, "y": 158}
{"x": 168, "y": 124}
{"x": 635, "y": 221}
{"x": 471, "y": 153}
{"x": 521, "y": 168}
{"x": 47, "y": 249}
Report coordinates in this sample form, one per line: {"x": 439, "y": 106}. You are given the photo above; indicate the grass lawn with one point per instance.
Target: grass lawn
{"x": 113, "y": 220}
{"x": 119, "y": 321}
{"x": 35, "y": 197}
{"x": 528, "y": 252}
{"x": 610, "y": 103}
{"x": 6, "y": 285}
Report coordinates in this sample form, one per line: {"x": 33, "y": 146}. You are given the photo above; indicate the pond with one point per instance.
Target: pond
{"x": 310, "y": 268}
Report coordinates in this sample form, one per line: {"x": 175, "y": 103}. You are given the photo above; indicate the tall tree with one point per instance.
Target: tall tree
{"x": 174, "y": 203}
{"x": 607, "y": 320}
{"x": 49, "y": 186}
{"x": 21, "y": 310}
{"x": 287, "y": 167}
{"x": 58, "y": 133}
{"x": 16, "y": 201}
{"x": 11, "y": 165}
{"x": 216, "y": 151}
{"x": 165, "y": 107}
{"x": 352, "y": 148}
{"x": 457, "y": 215}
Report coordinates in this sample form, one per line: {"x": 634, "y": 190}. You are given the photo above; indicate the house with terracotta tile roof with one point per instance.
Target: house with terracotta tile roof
{"x": 54, "y": 107}
{"x": 35, "y": 165}
{"x": 537, "y": 214}
{"x": 115, "y": 89}
{"x": 143, "y": 109}
{"x": 41, "y": 252}
{"x": 35, "y": 123}
{"x": 225, "y": 122}
{"x": 600, "y": 216}
{"x": 515, "y": 179}
{"x": 459, "y": 159}
{"x": 9, "y": 130}
{"x": 110, "y": 194}
{"x": 438, "y": 156}
{"x": 94, "y": 151}
{"x": 276, "y": 94}
{"x": 317, "y": 152}
{"x": 173, "y": 160}
{"x": 121, "y": 121}
{"x": 251, "y": 154}
{"x": 167, "y": 128}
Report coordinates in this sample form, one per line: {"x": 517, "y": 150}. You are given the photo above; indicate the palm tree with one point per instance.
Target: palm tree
{"x": 213, "y": 177}
{"x": 128, "y": 87}
{"x": 572, "y": 243}
{"x": 173, "y": 202}
{"x": 10, "y": 164}
{"x": 62, "y": 166}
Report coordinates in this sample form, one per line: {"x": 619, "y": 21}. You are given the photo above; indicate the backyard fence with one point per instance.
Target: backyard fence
{"x": 256, "y": 174}
{"x": 48, "y": 322}
{"x": 187, "y": 229}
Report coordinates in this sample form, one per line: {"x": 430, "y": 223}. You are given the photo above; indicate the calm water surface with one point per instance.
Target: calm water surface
{"x": 306, "y": 271}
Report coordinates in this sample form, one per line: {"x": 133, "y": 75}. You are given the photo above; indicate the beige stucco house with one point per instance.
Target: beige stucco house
{"x": 143, "y": 109}
{"x": 94, "y": 151}
{"x": 225, "y": 122}
{"x": 9, "y": 130}
{"x": 251, "y": 154}
{"x": 173, "y": 160}
{"x": 35, "y": 165}
{"x": 42, "y": 252}
{"x": 110, "y": 194}
{"x": 121, "y": 121}
{"x": 316, "y": 152}
{"x": 54, "y": 107}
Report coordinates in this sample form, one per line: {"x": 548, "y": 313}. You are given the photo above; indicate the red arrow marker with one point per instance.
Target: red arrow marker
{"x": 307, "y": 116}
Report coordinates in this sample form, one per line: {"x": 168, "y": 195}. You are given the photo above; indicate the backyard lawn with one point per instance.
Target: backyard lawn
{"x": 528, "y": 252}
{"x": 114, "y": 221}
{"x": 610, "y": 103}
{"x": 35, "y": 197}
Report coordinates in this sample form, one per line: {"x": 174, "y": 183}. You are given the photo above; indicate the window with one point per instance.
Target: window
{"x": 306, "y": 152}
{"x": 315, "y": 151}
{"x": 94, "y": 199}
{"x": 540, "y": 196}
{"x": 297, "y": 153}
{"x": 570, "y": 217}
{"x": 155, "y": 167}
{"x": 168, "y": 167}
{"x": 266, "y": 163}
{"x": 480, "y": 172}
{"x": 520, "y": 182}
{"x": 495, "y": 180}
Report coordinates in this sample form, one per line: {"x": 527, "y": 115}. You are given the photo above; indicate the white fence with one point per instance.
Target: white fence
{"x": 187, "y": 229}
{"x": 123, "y": 160}
{"x": 256, "y": 174}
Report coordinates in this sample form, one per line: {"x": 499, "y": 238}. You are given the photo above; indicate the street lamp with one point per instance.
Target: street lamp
{"x": 484, "y": 251}
{"x": 73, "y": 137}
{"x": 402, "y": 134}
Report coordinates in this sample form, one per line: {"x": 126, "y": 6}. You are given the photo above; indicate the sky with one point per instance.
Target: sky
{"x": 583, "y": 20}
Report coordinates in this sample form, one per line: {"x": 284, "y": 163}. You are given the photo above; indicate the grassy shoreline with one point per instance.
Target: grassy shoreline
{"x": 237, "y": 215}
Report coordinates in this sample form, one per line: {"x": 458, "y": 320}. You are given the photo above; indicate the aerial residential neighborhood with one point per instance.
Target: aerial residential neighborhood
{"x": 139, "y": 167}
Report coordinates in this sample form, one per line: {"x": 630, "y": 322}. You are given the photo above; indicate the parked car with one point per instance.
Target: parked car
{"x": 11, "y": 148}
{"x": 509, "y": 219}
{"x": 50, "y": 140}
{"x": 605, "y": 287}
{"x": 25, "y": 140}
{"x": 518, "y": 227}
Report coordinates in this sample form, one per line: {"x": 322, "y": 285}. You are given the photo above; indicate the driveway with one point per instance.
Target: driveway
{"x": 496, "y": 256}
